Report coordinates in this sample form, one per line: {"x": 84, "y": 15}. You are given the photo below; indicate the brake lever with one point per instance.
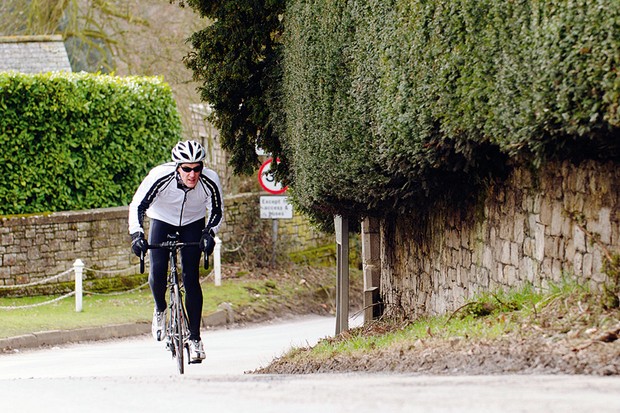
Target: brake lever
{"x": 141, "y": 262}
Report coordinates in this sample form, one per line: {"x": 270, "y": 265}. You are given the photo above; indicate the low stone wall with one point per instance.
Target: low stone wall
{"x": 532, "y": 229}
{"x": 246, "y": 236}
{"x": 39, "y": 246}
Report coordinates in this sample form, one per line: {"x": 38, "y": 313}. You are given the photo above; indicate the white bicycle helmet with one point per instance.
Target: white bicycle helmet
{"x": 188, "y": 152}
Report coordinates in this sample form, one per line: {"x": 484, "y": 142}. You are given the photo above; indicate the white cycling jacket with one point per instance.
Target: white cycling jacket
{"x": 160, "y": 196}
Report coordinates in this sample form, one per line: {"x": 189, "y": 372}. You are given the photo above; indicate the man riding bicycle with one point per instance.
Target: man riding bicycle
{"x": 179, "y": 197}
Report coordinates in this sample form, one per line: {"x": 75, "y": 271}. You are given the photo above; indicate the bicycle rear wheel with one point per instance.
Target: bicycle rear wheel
{"x": 178, "y": 327}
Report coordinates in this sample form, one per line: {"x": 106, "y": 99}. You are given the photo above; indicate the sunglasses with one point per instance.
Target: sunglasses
{"x": 195, "y": 168}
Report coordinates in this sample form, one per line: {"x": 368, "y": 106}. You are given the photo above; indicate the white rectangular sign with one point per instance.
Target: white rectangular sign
{"x": 274, "y": 207}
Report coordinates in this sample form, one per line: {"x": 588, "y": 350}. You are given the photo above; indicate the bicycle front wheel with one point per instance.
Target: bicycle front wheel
{"x": 177, "y": 327}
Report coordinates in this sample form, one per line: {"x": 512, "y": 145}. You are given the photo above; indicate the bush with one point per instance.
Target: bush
{"x": 80, "y": 141}
{"x": 396, "y": 105}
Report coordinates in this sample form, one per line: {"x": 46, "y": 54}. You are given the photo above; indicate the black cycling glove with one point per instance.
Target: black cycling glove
{"x": 207, "y": 242}
{"x": 139, "y": 245}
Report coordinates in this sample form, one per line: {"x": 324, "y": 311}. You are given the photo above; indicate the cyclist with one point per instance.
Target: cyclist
{"x": 185, "y": 197}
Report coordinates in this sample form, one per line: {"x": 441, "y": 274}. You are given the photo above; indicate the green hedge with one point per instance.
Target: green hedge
{"x": 80, "y": 141}
{"x": 395, "y": 105}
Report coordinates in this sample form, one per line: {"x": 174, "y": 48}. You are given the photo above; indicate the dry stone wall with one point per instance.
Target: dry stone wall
{"x": 535, "y": 228}
{"x": 40, "y": 246}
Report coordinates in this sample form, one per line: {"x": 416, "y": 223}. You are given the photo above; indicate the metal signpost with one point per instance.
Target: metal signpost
{"x": 273, "y": 207}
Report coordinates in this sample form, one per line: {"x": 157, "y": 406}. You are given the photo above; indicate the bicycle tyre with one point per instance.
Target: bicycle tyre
{"x": 178, "y": 328}
{"x": 185, "y": 327}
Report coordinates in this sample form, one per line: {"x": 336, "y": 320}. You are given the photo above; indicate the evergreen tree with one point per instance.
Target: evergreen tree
{"x": 237, "y": 61}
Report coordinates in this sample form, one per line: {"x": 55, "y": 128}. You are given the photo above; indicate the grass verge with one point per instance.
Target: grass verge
{"x": 563, "y": 329}
{"x": 255, "y": 295}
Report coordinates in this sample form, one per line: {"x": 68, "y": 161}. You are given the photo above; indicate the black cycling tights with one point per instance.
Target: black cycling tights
{"x": 190, "y": 260}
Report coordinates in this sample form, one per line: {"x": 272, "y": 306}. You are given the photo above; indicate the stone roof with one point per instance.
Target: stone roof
{"x": 33, "y": 54}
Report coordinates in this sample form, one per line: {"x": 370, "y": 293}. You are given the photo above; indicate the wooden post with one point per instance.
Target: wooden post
{"x": 371, "y": 266}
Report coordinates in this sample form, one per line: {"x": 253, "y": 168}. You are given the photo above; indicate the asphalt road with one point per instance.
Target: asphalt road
{"x": 137, "y": 374}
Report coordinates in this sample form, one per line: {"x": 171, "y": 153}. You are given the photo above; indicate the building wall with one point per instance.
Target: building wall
{"x": 205, "y": 133}
{"x": 523, "y": 231}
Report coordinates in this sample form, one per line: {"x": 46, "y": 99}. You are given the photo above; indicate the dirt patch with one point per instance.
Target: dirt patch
{"x": 511, "y": 354}
{"x": 568, "y": 336}
{"x": 295, "y": 290}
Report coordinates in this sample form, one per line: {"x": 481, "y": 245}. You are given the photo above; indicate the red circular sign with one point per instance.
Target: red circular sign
{"x": 267, "y": 181}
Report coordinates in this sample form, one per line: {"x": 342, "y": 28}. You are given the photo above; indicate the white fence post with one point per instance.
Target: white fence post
{"x": 217, "y": 261}
{"x": 78, "y": 267}
{"x": 341, "y": 225}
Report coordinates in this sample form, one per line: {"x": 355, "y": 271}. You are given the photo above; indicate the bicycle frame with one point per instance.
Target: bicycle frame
{"x": 177, "y": 327}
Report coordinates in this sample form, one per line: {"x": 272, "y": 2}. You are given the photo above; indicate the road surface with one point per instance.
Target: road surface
{"x": 136, "y": 375}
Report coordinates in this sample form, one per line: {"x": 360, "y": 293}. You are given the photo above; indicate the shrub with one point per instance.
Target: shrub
{"x": 396, "y": 105}
{"x": 80, "y": 141}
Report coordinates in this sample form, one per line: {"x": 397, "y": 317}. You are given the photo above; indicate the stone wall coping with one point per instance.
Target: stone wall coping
{"x": 242, "y": 195}
{"x": 31, "y": 39}
{"x": 85, "y": 215}
{"x": 64, "y": 217}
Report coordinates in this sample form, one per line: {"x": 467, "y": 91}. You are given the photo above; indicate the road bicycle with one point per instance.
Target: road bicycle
{"x": 177, "y": 326}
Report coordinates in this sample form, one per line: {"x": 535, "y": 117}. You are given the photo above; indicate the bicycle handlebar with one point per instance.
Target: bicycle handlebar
{"x": 172, "y": 246}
